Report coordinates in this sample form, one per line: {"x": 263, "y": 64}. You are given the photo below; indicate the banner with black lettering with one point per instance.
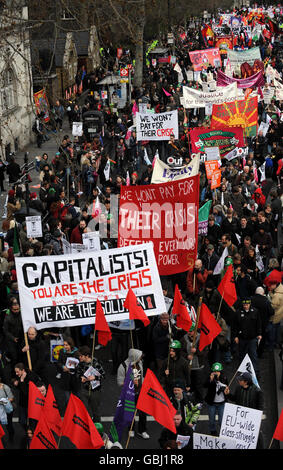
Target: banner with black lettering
{"x": 157, "y": 126}
{"x": 61, "y": 291}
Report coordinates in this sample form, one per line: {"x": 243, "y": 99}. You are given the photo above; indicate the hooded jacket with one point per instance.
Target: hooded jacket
{"x": 276, "y": 298}
{"x": 133, "y": 359}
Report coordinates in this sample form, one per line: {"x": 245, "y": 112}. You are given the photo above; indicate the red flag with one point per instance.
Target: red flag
{"x": 43, "y": 437}
{"x": 35, "y": 402}
{"x": 278, "y": 433}
{"x": 136, "y": 312}
{"x": 101, "y": 325}
{"x": 208, "y": 326}
{"x": 79, "y": 427}
{"x": 2, "y": 433}
{"x": 51, "y": 411}
{"x": 154, "y": 401}
{"x": 179, "y": 308}
{"x": 227, "y": 287}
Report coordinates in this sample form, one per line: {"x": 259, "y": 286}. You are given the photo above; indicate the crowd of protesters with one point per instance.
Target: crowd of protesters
{"x": 245, "y": 219}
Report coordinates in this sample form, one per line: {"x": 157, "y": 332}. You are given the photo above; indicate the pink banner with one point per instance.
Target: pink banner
{"x": 254, "y": 81}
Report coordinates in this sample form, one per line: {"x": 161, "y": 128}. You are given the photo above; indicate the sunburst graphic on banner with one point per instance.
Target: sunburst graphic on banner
{"x": 242, "y": 113}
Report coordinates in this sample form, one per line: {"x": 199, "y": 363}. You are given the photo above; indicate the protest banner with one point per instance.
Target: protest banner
{"x": 199, "y": 98}
{"x": 167, "y": 215}
{"x": 163, "y": 173}
{"x": 204, "y": 58}
{"x": 243, "y": 113}
{"x": 212, "y": 153}
{"x": 227, "y": 139}
{"x": 203, "y": 441}
{"x": 255, "y": 81}
{"x": 41, "y": 104}
{"x": 157, "y": 126}
{"x": 223, "y": 44}
{"x": 62, "y": 291}
{"x": 34, "y": 226}
{"x": 241, "y": 424}
{"x": 239, "y": 57}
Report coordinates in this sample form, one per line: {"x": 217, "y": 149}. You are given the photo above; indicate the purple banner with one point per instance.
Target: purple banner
{"x": 254, "y": 81}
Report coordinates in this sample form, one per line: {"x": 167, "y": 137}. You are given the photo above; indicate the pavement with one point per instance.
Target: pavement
{"x": 270, "y": 364}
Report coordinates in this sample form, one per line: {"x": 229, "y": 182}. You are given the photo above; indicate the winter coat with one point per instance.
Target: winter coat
{"x": 276, "y": 298}
{"x": 246, "y": 325}
{"x": 250, "y": 397}
{"x": 263, "y": 305}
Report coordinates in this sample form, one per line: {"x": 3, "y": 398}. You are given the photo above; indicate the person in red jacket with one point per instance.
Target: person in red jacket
{"x": 77, "y": 233}
{"x": 196, "y": 279}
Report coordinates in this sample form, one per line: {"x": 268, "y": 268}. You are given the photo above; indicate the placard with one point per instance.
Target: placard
{"x": 241, "y": 424}
{"x": 203, "y": 441}
{"x": 91, "y": 241}
{"x": 77, "y": 129}
{"x": 34, "y": 226}
{"x": 157, "y": 126}
{"x": 58, "y": 291}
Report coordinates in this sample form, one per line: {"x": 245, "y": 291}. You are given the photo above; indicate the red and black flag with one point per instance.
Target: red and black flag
{"x": 136, "y": 312}
{"x": 79, "y": 427}
{"x": 101, "y": 326}
{"x": 2, "y": 434}
{"x": 154, "y": 401}
{"x": 209, "y": 328}
{"x": 227, "y": 288}
{"x": 43, "y": 437}
{"x": 183, "y": 319}
{"x": 51, "y": 411}
{"x": 35, "y": 402}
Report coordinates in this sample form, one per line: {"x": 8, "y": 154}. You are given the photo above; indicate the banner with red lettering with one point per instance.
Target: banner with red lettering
{"x": 227, "y": 139}
{"x": 204, "y": 58}
{"x": 165, "y": 214}
{"x": 157, "y": 126}
{"x": 62, "y": 290}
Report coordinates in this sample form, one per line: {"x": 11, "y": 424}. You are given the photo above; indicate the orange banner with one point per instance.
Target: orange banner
{"x": 216, "y": 179}
{"x": 241, "y": 113}
{"x": 210, "y": 168}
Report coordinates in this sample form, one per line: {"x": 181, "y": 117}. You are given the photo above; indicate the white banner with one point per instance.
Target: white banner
{"x": 163, "y": 173}
{"x": 199, "y": 98}
{"x": 60, "y": 291}
{"x": 239, "y": 57}
{"x": 203, "y": 441}
{"x": 157, "y": 126}
{"x": 241, "y": 424}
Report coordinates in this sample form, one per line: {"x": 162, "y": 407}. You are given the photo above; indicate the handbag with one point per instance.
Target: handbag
{"x": 9, "y": 408}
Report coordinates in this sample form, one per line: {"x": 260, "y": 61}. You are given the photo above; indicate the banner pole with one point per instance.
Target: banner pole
{"x": 28, "y": 353}
{"x": 92, "y": 356}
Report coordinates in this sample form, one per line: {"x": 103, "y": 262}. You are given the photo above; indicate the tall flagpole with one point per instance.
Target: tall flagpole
{"x": 196, "y": 328}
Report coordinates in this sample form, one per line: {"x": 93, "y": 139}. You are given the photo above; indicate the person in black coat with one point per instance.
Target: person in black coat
{"x": 2, "y": 174}
{"x": 263, "y": 305}
{"x": 215, "y": 398}
{"x": 182, "y": 429}
{"x": 13, "y": 171}
{"x": 37, "y": 352}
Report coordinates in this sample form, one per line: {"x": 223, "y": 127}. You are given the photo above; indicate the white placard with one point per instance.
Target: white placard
{"x": 241, "y": 424}
{"x": 34, "y": 227}
{"x": 212, "y": 153}
{"x": 58, "y": 291}
{"x": 77, "y": 129}
{"x": 91, "y": 241}
{"x": 203, "y": 441}
{"x": 157, "y": 126}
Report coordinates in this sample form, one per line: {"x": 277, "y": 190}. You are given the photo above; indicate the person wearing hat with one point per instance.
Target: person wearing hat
{"x": 210, "y": 260}
{"x": 182, "y": 402}
{"x": 246, "y": 393}
{"x": 107, "y": 443}
{"x": 275, "y": 293}
{"x": 246, "y": 331}
{"x": 215, "y": 397}
{"x": 56, "y": 242}
{"x": 175, "y": 367}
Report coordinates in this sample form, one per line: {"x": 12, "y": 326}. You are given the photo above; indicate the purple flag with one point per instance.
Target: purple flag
{"x": 125, "y": 408}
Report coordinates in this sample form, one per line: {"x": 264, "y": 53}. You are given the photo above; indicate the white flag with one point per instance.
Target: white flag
{"x": 259, "y": 262}
{"x": 145, "y": 157}
{"x": 107, "y": 170}
{"x": 247, "y": 366}
{"x": 220, "y": 265}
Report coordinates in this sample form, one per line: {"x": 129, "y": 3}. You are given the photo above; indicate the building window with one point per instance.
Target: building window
{"x": 8, "y": 90}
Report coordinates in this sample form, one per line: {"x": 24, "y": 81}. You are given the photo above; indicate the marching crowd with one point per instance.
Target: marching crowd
{"x": 245, "y": 220}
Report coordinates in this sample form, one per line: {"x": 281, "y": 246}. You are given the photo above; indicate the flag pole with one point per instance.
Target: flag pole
{"x": 92, "y": 356}
{"x": 196, "y": 328}
{"x": 270, "y": 443}
{"x": 132, "y": 424}
{"x": 220, "y": 305}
